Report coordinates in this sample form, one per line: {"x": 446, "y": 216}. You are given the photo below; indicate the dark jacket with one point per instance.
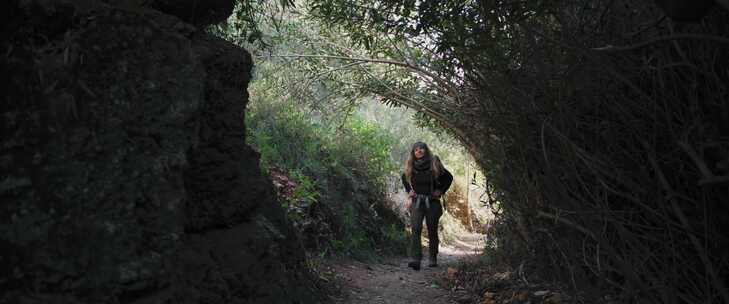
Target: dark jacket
{"x": 422, "y": 185}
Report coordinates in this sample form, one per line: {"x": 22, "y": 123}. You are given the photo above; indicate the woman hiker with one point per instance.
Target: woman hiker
{"x": 425, "y": 180}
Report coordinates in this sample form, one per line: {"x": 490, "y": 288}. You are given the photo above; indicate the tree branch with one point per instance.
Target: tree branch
{"x": 449, "y": 87}
{"x": 612, "y": 48}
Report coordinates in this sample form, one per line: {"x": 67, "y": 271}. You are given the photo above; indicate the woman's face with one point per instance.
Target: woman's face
{"x": 419, "y": 152}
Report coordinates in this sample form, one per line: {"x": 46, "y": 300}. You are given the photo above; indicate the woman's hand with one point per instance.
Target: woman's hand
{"x": 437, "y": 194}
{"x": 412, "y": 193}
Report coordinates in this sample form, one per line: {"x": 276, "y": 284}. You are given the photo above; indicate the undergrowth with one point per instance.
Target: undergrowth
{"x": 337, "y": 204}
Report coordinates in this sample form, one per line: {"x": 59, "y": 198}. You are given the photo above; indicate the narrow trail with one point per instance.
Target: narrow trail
{"x": 393, "y": 282}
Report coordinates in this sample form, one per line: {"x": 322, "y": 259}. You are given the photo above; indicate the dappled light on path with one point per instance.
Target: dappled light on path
{"x": 467, "y": 245}
{"x": 392, "y": 281}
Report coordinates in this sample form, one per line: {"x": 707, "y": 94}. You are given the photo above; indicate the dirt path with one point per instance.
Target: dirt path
{"x": 393, "y": 282}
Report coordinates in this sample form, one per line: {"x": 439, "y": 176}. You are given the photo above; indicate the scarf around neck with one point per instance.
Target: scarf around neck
{"x": 422, "y": 164}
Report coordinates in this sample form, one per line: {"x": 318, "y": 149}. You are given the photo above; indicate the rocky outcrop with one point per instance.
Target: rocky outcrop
{"x": 125, "y": 177}
{"x": 195, "y": 11}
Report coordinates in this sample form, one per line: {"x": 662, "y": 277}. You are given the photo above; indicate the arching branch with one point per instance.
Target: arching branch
{"x": 453, "y": 92}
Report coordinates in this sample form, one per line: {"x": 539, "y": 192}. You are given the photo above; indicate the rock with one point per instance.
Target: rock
{"x": 503, "y": 276}
{"x": 194, "y": 11}
{"x": 126, "y": 177}
{"x": 521, "y": 296}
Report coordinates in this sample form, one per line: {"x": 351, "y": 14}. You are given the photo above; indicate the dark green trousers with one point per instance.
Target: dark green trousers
{"x": 431, "y": 214}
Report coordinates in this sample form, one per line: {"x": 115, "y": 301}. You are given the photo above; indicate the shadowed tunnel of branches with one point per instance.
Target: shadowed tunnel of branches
{"x": 603, "y": 127}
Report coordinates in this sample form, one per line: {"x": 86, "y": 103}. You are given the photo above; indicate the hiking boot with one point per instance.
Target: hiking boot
{"x": 414, "y": 265}
{"x": 433, "y": 263}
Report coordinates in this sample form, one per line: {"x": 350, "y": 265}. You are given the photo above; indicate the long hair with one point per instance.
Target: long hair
{"x": 436, "y": 165}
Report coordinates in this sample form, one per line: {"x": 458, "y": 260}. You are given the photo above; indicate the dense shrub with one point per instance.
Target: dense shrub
{"x": 340, "y": 174}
